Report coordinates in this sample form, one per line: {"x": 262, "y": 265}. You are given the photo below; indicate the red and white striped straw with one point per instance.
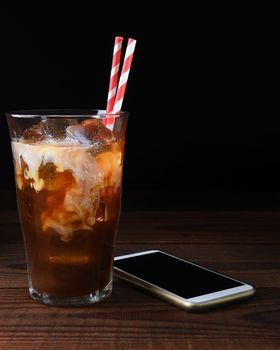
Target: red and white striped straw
{"x": 124, "y": 75}
{"x": 114, "y": 74}
{"x": 114, "y": 77}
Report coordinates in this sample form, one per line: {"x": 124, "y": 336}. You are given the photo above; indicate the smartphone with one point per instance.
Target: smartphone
{"x": 180, "y": 282}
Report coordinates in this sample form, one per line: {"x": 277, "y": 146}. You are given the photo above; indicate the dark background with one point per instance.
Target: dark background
{"x": 194, "y": 92}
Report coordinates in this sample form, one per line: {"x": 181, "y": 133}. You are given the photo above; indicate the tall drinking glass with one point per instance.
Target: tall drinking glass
{"x": 68, "y": 171}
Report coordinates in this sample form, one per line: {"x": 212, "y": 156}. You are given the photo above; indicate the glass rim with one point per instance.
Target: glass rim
{"x": 63, "y": 112}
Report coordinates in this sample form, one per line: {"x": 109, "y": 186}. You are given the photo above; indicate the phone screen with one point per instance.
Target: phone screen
{"x": 179, "y": 277}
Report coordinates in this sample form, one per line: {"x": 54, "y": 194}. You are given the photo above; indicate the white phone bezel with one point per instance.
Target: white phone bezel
{"x": 198, "y": 300}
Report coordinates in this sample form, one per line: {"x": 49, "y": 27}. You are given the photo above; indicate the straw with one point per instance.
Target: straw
{"x": 114, "y": 77}
{"x": 116, "y": 93}
{"x": 124, "y": 75}
{"x": 114, "y": 74}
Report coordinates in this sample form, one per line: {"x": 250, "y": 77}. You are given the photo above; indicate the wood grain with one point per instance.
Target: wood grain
{"x": 242, "y": 244}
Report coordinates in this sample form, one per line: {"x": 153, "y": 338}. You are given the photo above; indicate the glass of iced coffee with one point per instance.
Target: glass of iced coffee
{"x": 68, "y": 171}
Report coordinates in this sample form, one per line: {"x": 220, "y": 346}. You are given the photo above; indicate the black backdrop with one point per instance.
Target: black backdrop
{"x": 192, "y": 92}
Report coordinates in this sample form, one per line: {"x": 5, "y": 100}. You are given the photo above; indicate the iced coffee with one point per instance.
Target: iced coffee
{"x": 68, "y": 172}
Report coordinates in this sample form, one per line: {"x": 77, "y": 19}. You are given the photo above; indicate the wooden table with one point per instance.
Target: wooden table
{"x": 243, "y": 244}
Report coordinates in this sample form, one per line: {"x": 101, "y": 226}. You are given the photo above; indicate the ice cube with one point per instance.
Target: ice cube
{"x": 35, "y": 134}
{"x": 76, "y": 133}
{"x": 96, "y": 131}
{"x": 56, "y": 127}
